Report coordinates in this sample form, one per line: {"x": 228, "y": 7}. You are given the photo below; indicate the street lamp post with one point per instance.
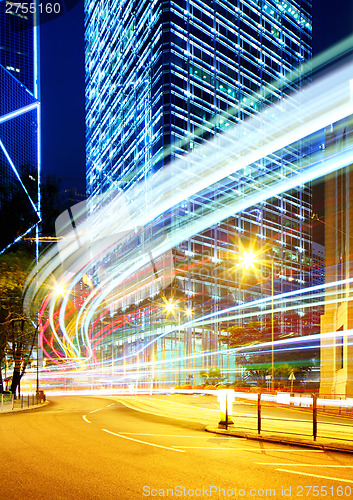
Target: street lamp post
{"x": 272, "y": 331}
{"x": 37, "y": 381}
{"x": 179, "y": 347}
{"x": 171, "y": 307}
{"x": 248, "y": 259}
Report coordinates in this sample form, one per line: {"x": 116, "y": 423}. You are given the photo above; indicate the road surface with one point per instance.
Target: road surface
{"x": 97, "y": 448}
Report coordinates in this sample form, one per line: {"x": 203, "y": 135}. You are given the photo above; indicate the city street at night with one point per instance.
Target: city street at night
{"x": 176, "y": 270}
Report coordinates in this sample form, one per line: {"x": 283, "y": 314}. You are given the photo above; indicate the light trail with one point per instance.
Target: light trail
{"x": 319, "y": 104}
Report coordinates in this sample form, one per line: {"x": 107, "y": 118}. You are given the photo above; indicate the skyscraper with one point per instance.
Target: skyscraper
{"x": 163, "y": 76}
{"x": 19, "y": 123}
{"x": 336, "y": 349}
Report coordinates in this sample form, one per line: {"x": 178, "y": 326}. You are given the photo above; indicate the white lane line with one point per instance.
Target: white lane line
{"x": 179, "y": 436}
{"x": 99, "y": 409}
{"x": 143, "y": 442}
{"x": 303, "y": 465}
{"x": 341, "y": 479}
{"x": 261, "y": 450}
{"x": 94, "y": 411}
{"x": 86, "y": 419}
{"x": 211, "y": 448}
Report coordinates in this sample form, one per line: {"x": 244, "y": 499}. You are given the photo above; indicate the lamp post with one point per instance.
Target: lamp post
{"x": 37, "y": 381}
{"x": 172, "y": 307}
{"x": 272, "y": 331}
{"x": 247, "y": 260}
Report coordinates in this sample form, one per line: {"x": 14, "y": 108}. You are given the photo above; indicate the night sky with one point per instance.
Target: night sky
{"x": 62, "y": 97}
{"x": 62, "y": 84}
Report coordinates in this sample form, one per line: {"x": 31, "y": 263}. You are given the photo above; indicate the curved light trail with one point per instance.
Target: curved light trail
{"x": 141, "y": 235}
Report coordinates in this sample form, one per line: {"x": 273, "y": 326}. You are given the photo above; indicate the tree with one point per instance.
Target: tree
{"x": 212, "y": 376}
{"x": 17, "y": 334}
{"x": 257, "y": 360}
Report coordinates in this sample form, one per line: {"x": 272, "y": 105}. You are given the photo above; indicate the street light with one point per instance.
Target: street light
{"x": 172, "y": 307}
{"x": 249, "y": 259}
{"x": 272, "y": 331}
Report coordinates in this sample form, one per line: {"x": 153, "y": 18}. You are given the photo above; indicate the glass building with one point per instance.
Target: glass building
{"x": 162, "y": 77}
{"x": 336, "y": 351}
{"x": 19, "y": 123}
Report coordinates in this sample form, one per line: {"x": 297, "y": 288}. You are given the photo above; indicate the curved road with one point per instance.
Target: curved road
{"x": 97, "y": 448}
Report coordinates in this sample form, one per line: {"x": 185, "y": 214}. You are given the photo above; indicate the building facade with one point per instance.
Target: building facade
{"x": 336, "y": 348}
{"x": 19, "y": 123}
{"x": 161, "y": 77}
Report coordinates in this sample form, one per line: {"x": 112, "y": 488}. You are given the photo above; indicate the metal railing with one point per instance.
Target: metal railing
{"x": 311, "y": 422}
{"x": 8, "y": 402}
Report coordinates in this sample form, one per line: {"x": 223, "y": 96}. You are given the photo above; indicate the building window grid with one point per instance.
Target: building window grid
{"x": 221, "y": 103}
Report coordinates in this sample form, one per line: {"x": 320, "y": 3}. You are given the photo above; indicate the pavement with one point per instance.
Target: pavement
{"x": 8, "y": 408}
{"x": 299, "y": 433}
{"x": 330, "y": 437}
{"x": 280, "y": 437}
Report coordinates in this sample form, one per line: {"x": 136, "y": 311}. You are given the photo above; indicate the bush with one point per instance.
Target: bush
{"x": 240, "y": 383}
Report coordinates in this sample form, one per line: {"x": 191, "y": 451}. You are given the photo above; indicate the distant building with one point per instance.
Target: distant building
{"x": 318, "y": 266}
{"x": 19, "y": 123}
{"x": 337, "y": 350}
{"x": 318, "y": 278}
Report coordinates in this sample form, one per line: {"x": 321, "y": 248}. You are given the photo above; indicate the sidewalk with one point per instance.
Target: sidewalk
{"x": 298, "y": 432}
{"x": 8, "y": 408}
{"x": 282, "y": 438}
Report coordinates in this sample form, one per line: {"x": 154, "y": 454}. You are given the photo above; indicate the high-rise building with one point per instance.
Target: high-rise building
{"x": 336, "y": 347}
{"x": 163, "y": 76}
{"x": 19, "y": 123}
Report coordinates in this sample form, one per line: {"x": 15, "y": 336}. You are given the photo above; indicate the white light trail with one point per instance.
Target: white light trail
{"x": 319, "y": 104}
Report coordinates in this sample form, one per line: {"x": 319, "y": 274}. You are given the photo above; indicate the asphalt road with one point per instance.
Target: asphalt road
{"x": 97, "y": 448}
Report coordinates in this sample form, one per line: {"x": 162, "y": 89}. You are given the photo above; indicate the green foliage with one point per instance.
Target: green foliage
{"x": 257, "y": 359}
{"x": 251, "y": 333}
{"x": 212, "y": 376}
{"x": 16, "y": 331}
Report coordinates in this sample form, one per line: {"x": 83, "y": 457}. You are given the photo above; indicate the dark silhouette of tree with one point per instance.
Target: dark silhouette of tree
{"x": 256, "y": 358}
{"x": 17, "y": 334}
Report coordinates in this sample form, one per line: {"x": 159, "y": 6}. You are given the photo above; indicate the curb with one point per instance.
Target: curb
{"x": 321, "y": 443}
{"x": 16, "y": 410}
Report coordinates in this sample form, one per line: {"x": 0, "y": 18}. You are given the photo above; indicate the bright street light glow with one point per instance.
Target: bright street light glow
{"x": 248, "y": 259}
{"x": 170, "y": 306}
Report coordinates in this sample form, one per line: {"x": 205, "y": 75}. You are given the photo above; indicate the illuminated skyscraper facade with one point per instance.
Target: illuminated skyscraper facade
{"x": 161, "y": 77}
{"x": 337, "y": 349}
{"x": 19, "y": 123}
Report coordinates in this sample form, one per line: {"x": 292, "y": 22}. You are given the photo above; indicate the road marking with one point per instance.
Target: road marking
{"x": 143, "y": 442}
{"x": 112, "y": 404}
{"x": 86, "y": 419}
{"x": 303, "y": 465}
{"x": 94, "y": 411}
{"x": 248, "y": 449}
{"x": 341, "y": 479}
{"x": 180, "y": 436}
{"x": 212, "y": 448}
